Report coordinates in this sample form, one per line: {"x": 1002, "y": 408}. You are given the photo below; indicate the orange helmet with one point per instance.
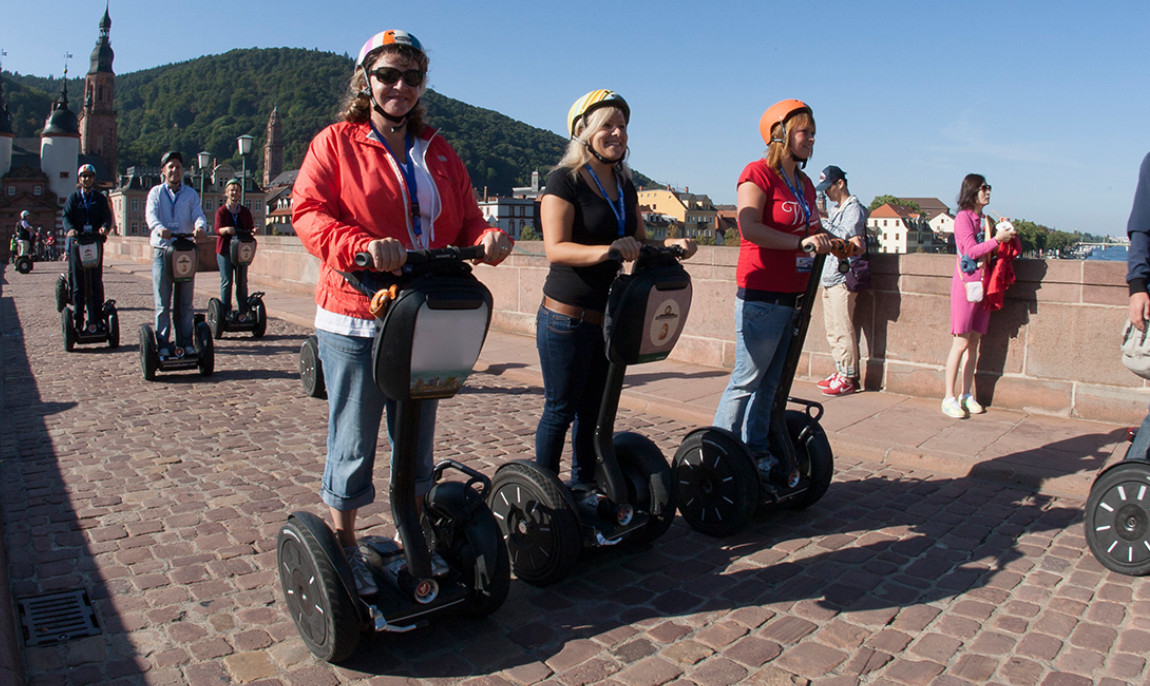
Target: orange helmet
{"x": 780, "y": 112}
{"x": 593, "y": 101}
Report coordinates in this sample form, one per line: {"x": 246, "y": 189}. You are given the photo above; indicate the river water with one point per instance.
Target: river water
{"x": 1114, "y": 253}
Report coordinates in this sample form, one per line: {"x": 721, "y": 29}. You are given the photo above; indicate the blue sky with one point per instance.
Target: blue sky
{"x": 1048, "y": 99}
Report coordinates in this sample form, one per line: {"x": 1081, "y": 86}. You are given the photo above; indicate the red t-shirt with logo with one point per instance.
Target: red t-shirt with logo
{"x": 779, "y": 271}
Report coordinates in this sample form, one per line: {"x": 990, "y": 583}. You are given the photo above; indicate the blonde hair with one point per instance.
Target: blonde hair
{"x": 778, "y": 151}
{"x": 357, "y": 104}
{"x": 578, "y": 151}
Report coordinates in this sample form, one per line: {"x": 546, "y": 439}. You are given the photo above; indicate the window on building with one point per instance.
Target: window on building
{"x": 36, "y": 190}
{"x": 11, "y": 190}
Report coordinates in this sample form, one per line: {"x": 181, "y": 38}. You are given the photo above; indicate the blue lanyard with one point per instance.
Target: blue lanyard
{"x": 618, "y": 208}
{"x": 173, "y": 197}
{"x": 408, "y": 170}
{"x": 87, "y": 206}
{"x": 800, "y": 198}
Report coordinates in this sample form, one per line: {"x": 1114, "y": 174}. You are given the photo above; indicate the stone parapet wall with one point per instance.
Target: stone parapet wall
{"x": 1053, "y": 349}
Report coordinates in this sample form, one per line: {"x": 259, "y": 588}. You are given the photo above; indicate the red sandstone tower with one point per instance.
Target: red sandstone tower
{"x": 98, "y": 130}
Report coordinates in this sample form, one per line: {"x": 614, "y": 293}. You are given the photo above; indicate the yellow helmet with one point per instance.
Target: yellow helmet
{"x": 593, "y": 101}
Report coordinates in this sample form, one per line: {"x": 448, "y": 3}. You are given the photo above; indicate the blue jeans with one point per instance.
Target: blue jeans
{"x": 761, "y": 341}
{"x": 1141, "y": 445}
{"x": 355, "y": 406}
{"x": 574, "y": 362}
{"x": 162, "y": 288}
{"x": 230, "y": 273}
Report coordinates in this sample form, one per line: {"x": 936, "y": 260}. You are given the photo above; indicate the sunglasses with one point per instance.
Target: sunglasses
{"x": 389, "y": 76}
{"x": 984, "y": 187}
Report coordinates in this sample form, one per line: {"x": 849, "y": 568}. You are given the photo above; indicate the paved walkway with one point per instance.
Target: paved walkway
{"x": 946, "y": 552}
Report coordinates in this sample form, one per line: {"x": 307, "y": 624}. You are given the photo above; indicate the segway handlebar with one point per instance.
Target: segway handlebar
{"x": 651, "y": 251}
{"x": 451, "y": 252}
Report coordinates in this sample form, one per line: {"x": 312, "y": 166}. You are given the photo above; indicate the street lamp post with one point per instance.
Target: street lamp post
{"x": 203, "y": 159}
{"x": 245, "y": 143}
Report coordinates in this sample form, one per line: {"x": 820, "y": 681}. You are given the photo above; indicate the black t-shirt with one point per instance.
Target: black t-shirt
{"x": 594, "y": 224}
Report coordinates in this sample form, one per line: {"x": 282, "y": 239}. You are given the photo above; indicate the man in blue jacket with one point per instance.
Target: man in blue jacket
{"x": 1137, "y": 277}
{"x": 86, "y": 213}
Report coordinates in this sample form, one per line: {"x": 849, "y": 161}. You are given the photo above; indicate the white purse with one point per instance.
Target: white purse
{"x": 973, "y": 291}
{"x": 1136, "y": 350}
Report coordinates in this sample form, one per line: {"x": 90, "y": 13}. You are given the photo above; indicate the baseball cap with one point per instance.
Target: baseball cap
{"x": 828, "y": 176}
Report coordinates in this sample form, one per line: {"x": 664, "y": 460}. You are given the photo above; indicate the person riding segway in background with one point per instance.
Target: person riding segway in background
{"x": 23, "y": 236}
{"x": 233, "y": 220}
{"x": 87, "y": 222}
{"x": 173, "y": 209}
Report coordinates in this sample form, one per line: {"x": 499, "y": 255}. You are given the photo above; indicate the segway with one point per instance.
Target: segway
{"x": 311, "y": 368}
{"x": 250, "y": 315}
{"x": 1117, "y": 516}
{"x": 547, "y": 524}
{"x": 721, "y": 485}
{"x": 182, "y": 256}
{"x": 23, "y": 256}
{"x": 434, "y": 319}
{"x": 88, "y": 253}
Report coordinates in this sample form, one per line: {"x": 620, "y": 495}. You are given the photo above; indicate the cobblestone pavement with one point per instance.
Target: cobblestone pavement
{"x": 163, "y": 500}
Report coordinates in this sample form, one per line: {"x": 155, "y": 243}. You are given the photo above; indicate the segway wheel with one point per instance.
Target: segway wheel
{"x": 61, "y": 292}
{"x": 216, "y": 317}
{"x": 538, "y": 522}
{"x": 112, "y": 321}
{"x": 311, "y": 369}
{"x": 258, "y": 311}
{"x": 69, "y": 329}
{"x": 317, "y": 597}
{"x": 467, "y": 535}
{"x": 816, "y": 460}
{"x": 205, "y": 349}
{"x": 24, "y": 265}
{"x": 1117, "y": 519}
{"x": 650, "y": 483}
{"x": 149, "y": 356}
{"x": 717, "y": 482}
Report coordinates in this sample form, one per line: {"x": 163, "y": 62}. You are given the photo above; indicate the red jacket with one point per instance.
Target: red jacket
{"x": 347, "y": 195}
{"x": 1002, "y": 275}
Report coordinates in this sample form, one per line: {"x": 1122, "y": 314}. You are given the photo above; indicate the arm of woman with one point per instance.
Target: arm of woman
{"x": 315, "y": 198}
{"x": 224, "y": 221}
{"x": 965, "y": 229}
{"x": 687, "y": 244}
{"x": 752, "y": 201}
{"x": 558, "y": 218}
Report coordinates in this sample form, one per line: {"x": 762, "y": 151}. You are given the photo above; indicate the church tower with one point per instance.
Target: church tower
{"x": 60, "y": 145}
{"x": 274, "y": 149}
{"x": 98, "y": 130}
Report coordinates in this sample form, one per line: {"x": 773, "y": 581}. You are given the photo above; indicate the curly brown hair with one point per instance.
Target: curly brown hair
{"x": 357, "y": 104}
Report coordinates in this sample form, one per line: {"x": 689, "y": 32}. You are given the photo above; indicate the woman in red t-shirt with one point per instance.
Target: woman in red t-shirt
{"x": 777, "y": 221}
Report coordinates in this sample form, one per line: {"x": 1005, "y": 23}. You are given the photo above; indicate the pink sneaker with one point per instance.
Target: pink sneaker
{"x": 826, "y": 383}
{"x": 841, "y": 385}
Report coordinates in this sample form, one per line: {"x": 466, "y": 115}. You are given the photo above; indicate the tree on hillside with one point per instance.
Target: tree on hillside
{"x": 881, "y": 200}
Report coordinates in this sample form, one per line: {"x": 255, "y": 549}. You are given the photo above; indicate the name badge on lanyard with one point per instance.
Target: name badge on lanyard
{"x": 804, "y": 262}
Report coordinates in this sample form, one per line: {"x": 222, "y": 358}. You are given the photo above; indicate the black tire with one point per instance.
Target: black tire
{"x": 717, "y": 482}
{"x": 650, "y": 483}
{"x": 466, "y": 534}
{"x": 69, "y": 329}
{"x": 316, "y": 597}
{"x": 62, "y": 292}
{"x": 204, "y": 348}
{"x": 538, "y": 521}
{"x": 149, "y": 356}
{"x": 112, "y": 321}
{"x": 216, "y": 318}
{"x": 1117, "y": 520}
{"x": 816, "y": 459}
{"x": 311, "y": 369}
{"x": 24, "y": 264}
{"x": 258, "y": 311}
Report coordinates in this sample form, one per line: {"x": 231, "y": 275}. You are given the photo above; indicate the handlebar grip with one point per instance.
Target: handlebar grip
{"x": 614, "y": 255}
{"x": 364, "y": 259}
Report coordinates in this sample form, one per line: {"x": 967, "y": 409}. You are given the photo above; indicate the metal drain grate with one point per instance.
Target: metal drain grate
{"x": 57, "y": 617}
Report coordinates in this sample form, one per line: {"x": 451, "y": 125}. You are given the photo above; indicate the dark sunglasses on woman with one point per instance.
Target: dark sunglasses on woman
{"x": 388, "y": 76}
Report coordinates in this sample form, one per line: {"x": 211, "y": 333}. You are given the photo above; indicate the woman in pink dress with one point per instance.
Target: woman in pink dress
{"x": 969, "y": 320}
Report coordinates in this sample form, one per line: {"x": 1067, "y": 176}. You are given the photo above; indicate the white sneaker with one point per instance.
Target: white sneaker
{"x": 364, "y": 581}
{"x": 951, "y": 408}
{"x": 971, "y": 405}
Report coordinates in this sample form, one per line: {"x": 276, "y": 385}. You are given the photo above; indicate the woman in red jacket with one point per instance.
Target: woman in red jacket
{"x": 380, "y": 182}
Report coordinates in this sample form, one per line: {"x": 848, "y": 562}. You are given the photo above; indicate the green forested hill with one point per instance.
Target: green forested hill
{"x": 205, "y": 103}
